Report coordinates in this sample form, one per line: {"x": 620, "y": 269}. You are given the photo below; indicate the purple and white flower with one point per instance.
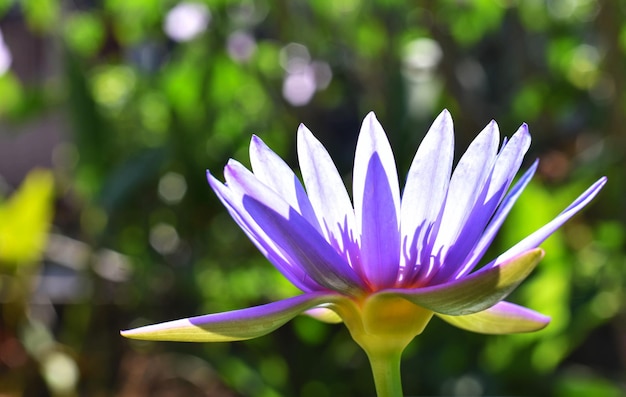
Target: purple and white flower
{"x": 386, "y": 261}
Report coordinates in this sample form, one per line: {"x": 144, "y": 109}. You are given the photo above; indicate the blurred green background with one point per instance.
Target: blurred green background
{"x": 112, "y": 110}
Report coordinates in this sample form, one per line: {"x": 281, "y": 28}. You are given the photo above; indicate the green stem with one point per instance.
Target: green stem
{"x": 386, "y": 370}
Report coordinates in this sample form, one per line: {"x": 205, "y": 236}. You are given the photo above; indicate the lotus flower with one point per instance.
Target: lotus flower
{"x": 385, "y": 262}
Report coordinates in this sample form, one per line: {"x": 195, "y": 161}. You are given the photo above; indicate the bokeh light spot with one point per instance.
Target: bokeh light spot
{"x": 172, "y": 187}
{"x": 112, "y": 85}
{"x": 240, "y": 46}
{"x": 5, "y": 56}
{"x": 186, "y": 21}
{"x": 61, "y": 372}
{"x": 298, "y": 88}
{"x": 164, "y": 238}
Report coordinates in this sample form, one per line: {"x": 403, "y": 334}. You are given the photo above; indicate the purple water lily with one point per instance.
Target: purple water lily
{"x": 385, "y": 262}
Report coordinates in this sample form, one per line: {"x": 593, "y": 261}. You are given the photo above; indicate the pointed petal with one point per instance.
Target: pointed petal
{"x": 503, "y": 318}
{"x": 291, "y": 270}
{"x": 492, "y": 229}
{"x": 230, "y": 326}
{"x": 467, "y": 183}
{"x": 427, "y": 182}
{"x": 270, "y": 169}
{"x": 540, "y": 235}
{"x": 326, "y": 191}
{"x": 377, "y": 204}
{"x": 508, "y": 163}
{"x": 476, "y": 292}
{"x": 505, "y": 167}
{"x": 291, "y": 232}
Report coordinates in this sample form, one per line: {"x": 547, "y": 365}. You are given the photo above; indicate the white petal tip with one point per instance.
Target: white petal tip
{"x": 155, "y": 331}
{"x": 445, "y": 114}
{"x": 303, "y": 131}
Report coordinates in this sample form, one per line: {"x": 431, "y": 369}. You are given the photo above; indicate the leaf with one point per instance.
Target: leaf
{"x": 25, "y": 219}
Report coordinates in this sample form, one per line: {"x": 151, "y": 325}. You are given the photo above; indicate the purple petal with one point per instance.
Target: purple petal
{"x": 467, "y": 185}
{"x": 270, "y": 169}
{"x": 377, "y": 204}
{"x": 291, "y": 270}
{"x": 426, "y": 186}
{"x": 503, "y": 318}
{"x": 292, "y": 232}
{"x": 492, "y": 229}
{"x": 540, "y": 235}
{"x": 231, "y": 326}
{"x": 328, "y": 194}
{"x": 505, "y": 167}
{"x": 508, "y": 162}
{"x": 476, "y": 292}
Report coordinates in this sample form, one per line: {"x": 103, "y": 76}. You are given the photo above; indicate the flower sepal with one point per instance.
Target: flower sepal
{"x": 501, "y": 319}
{"x": 230, "y": 326}
{"x": 478, "y": 291}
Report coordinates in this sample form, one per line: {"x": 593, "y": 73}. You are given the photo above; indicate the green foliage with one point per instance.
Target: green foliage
{"x": 12, "y": 94}
{"x": 84, "y": 33}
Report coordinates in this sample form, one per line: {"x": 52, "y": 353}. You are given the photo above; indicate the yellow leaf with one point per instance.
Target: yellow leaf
{"x": 25, "y": 219}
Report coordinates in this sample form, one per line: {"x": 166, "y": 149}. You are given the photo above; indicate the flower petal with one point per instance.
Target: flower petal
{"x": 377, "y": 204}
{"x": 476, "y": 292}
{"x": 508, "y": 163}
{"x": 490, "y": 232}
{"x": 467, "y": 185}
{"x": 540, "y": 235}
{"x": 270, "y": 169}
{"x": 426, "y": 187}
{"x": 327, "y": 193}
{"x": 230, "y": 326}
{"x": 292, "y": 271}
{"x": 503, "y": 318}
{"x": 292, "y": 232}
{"x": 505, "y": 167}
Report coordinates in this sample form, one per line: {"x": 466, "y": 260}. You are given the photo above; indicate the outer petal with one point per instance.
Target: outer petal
{"x": 377, "y": 204}
{"x": 291, "y": 270}
{"x": 292, "y": 233}
{"x": 540, "y": 235}
{"x": 426, "y": 186}
{"x": 231, "y": 326}
{"x": 270, "y": 169}
{"x": 503, "y": 318}
{"x": 476, "y": 292}
{"x": 490, "y": 232}
{"x": 327, "y": 193}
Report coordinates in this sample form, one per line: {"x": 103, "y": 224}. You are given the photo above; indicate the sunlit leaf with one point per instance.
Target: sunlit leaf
{"x": 25, "y": 219}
